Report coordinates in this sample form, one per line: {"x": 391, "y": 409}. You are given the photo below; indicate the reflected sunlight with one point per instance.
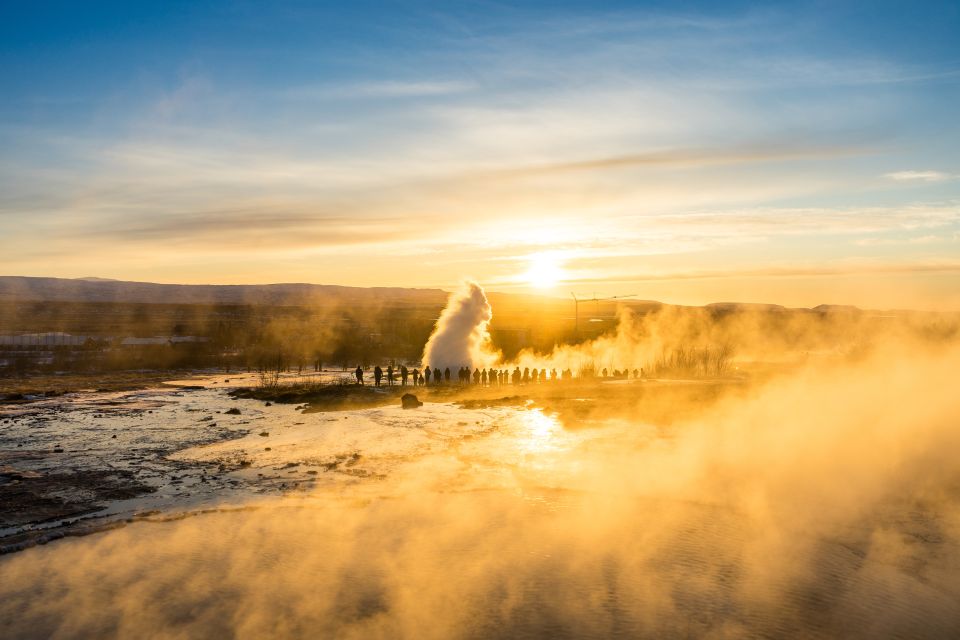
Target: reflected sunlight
{"x": 541, "y": 431}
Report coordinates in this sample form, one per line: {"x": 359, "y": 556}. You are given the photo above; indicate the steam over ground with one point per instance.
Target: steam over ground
{"x": 823, "y": 503}
{"x": 678, "y": 341}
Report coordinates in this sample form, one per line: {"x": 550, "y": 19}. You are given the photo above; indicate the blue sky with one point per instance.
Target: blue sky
{"x": 796, "y": 153}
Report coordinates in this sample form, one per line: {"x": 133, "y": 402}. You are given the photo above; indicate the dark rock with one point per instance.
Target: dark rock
{"x": 410, "y": 401}
{"x": 264, "y": 434}
{"x": 233, "y": 412}
{"x": 269, "y": 404}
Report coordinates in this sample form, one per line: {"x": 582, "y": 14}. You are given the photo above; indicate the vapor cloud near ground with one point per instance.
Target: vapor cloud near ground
{"x": 822, "y": 504}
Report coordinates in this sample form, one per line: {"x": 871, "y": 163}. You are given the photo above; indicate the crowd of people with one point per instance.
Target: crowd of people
{"x": 428, "y": 376}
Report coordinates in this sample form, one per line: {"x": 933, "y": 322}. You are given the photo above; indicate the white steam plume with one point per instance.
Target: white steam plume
{"x": 460, "y": 337}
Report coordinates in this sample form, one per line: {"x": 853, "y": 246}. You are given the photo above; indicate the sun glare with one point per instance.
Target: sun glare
{"x": 544, "y": 271}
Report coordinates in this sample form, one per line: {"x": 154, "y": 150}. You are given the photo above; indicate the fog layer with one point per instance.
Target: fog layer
{"x": 822, "y": 504}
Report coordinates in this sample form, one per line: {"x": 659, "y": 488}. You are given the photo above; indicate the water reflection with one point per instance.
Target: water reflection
{"x": 539, "y": 432}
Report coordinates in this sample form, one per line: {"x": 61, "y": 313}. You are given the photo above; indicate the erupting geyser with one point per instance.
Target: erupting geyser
{"x": 461, "y": 337}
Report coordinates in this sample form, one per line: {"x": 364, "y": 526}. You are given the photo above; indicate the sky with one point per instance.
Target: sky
{"x": 792, "y": 153}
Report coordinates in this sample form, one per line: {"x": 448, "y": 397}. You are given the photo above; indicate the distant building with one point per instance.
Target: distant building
{"x": 142, "y": 342}
{"x": 161, "y": 341}
{"x": 49, "y": 339}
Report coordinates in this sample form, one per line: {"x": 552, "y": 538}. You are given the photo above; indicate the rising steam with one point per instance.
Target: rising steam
{"x": 820, "y": 503}
{"x": 460, "y": 337}
{"x": 823, "y": 505}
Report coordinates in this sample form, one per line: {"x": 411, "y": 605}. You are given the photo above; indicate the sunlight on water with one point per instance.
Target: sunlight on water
{"x": 540, "y": 431}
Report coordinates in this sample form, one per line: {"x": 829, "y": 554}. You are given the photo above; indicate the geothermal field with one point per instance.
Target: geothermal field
{"x": 519, "y": 319}
{"x": 791, "y": 491}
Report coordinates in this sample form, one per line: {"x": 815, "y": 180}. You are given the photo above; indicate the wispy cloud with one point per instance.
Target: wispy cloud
{"x": 791, "y": 271}
{"x": 381, "y": 89}
{"x": 628, "y": 139}
{"x": 918, "y": 176}
{"x": 687, "y": 158}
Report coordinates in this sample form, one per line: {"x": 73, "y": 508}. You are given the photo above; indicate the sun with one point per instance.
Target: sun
{"x": 544, "y": 271}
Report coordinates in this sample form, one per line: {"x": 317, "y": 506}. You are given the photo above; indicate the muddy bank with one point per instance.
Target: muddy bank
{"x": 25, "y": 389}
{"x": 325, "y": 397}
{"x": 79, "y": 460}
{"x": 55, "y": 501}
{"x": 28, "y": 496}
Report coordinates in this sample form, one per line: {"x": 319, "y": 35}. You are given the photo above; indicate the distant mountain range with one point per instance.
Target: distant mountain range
{"x": 92, "y": 289}
{"x": 22, "y": 288}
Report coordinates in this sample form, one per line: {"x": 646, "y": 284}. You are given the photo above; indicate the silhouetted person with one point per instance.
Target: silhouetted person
{"x": 483, "y": 377}
{"x": 415, "y": 377}
{"x": 476, "y": 376}
{"x": 359, "y": 374}
{"x": 516, "y": 376}
{"x": 390, "y": 374}
{"x": 437, "y": 375}
{"x": 427, "y": 373}
{"x": 553, "y": 375}
{"x": 604, "y": 372}
{"x": 446, "y": 374}
{"x": 403, "y": 375}
{"x": 377, "y": 375}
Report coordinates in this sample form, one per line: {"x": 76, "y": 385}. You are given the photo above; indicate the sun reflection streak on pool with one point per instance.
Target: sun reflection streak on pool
{"x": 540, "y": 431}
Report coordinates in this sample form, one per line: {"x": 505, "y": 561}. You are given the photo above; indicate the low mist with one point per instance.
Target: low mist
{"x": 676, "y": 341}
{"x": 823, "y": 503}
